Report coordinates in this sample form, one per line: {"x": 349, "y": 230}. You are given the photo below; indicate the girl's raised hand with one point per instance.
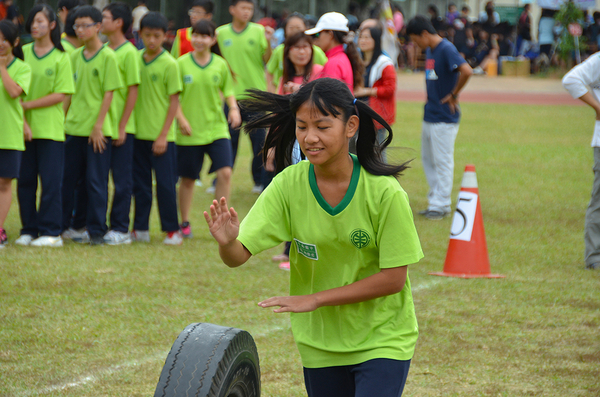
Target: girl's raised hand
{"x": 294, "y": 304}
{"x": 223, "y": 223}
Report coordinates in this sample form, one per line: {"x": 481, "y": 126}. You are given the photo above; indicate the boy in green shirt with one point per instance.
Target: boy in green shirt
{"x": 245, "y": 46}
{"x": 116, "y": 20}
{"x": 89, "y": 127}
{"x": 154, "y": 143}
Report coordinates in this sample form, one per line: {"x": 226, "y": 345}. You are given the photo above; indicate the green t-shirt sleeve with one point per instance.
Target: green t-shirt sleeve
{"x": 264, "y": 44}
{"x": 23, "y": 78}
{"x": 397, "y": 237}
{"x": 319, "y": 56}
{"x": 112, "y": 76}
{"x": 64, "y": 76}
{"x": 273, "y": 63}
{"x": 268, "y": 223}
{"x": 175, "y": 48}
{"x": 173, "y": 79}
{"x": 132, "y": 69}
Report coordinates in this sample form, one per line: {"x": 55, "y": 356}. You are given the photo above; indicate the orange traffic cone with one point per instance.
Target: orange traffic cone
{"x": 467, "y": 255}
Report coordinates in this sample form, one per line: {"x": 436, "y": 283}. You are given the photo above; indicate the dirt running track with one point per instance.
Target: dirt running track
{"x": 501, "y": 89}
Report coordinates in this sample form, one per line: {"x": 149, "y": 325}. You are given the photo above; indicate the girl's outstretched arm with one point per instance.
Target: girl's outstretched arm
{"x": 224, "y": 226}
{"x": 386, "y": 282}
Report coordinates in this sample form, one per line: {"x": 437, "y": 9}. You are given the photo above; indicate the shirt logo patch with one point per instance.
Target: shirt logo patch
{"x": 308, "y": 250}
{"x": 250, "y": 42}
{"x": 360, "y": 238}
{"x": 154, "y": 77}
{"x": 49, "y": 72}
{"x": 228, "y": 43}
{"x": 429, "y": 70}
{"x": 95, "y": 73}
{"x": 215, "y": 78}
{"x": 188, "y": 79}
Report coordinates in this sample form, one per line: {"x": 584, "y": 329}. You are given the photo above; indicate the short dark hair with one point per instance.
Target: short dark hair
{"x": 204, "y": 27}
{"x": 69, "y": 22}
{"x": 69, "y": 4}
{"x": 420, "y": 24}
{"x": 11, "y": 34}
{"x": 120, "y": 11}
{"x": 154, "y": 20}
{"x": 234, "y": 2}
{"x": 89, "y": 11}
{"x": 207, "y": 5}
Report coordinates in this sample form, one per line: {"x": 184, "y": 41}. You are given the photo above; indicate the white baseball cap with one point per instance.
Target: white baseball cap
{"x": 330, "y": 21}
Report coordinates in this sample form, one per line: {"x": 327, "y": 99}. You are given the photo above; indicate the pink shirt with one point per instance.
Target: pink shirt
{"x": 314, "y": 74}
{"x": 338, "y": 66}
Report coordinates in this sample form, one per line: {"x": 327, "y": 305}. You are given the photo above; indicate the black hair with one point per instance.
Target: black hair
{"x": 376, "y": 33}
{"x": 293, "y": 15}
{"x": 120, "y": 11}
{"x": 69, "y": 22}
{"x": 154, "y": 20}
{"x": 11, "y": 34}
{"x": 51, "y": 17}
{"x": 465, "y": 8}
{"x": 418, "y": 25}
{"x": 288, "y": 66}
{"x": 329, "y": 97}
{"x": 205, "y": 27}
{"x": 69, "y": 4}
{"x": 89, "y": 12}
{"x": 358, "y": 68}
{"x": 207, "y": 5}
{"x": 234, "y": 2}
{"x": 433, "y": 8}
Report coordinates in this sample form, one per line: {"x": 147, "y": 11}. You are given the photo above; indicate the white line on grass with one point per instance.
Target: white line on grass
{"x": 84, "y": 380}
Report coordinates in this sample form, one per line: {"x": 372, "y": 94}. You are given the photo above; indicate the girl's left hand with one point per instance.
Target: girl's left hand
{"x": 27, "y": 134}
{"x": 294, "y": 304}
{"x": 234, "y": 117}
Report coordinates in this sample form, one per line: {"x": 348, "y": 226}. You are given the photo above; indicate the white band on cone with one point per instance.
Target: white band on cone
{"x": 469, "y": 180}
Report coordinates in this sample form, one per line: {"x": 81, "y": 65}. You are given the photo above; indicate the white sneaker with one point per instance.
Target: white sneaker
{"x": 257, "y": 189}
{"x": 47, "y": 241}
{"x": 173, "y": 238}
{"x": 210, "y": 190}
{"x": 198, "y": 182}
{"x": 117, "y": 238}
{"x": 79, "y": 236}
{"x": 140, "y": 236}
{"x": 24, "y": 240}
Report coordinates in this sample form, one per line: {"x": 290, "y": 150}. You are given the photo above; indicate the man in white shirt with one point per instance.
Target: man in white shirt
{"x": 583, "y": 83}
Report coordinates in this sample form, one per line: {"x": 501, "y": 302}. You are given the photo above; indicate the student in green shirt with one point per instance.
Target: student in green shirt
{"x": 51, "y": 82}
{"x": 294, "y": 24}
{"x": 89, "y": 126}
{"x": 245, "y": 46}
{"x": 15, "y": 76}
{"x": 353, "y": 236}
{"x": 201, "y": 9}
{"x": 203, "y": 127}
{"x": 116, "y": 20}
{"x": 154, "y": 143}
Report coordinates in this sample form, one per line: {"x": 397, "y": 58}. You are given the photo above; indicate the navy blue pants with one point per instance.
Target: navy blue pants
{"x": 257, "y": 137}
{"x": 121, "y": 165}
{"x": 45, "y": 158}
{"x": 79, "y": 216}
{"x": 380, "y": 377}
{"x": 81, "y": 162}
{"x": 165, "y": 171}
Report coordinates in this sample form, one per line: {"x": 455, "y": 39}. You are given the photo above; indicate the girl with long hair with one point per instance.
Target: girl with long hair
{"x": 15, "y": 77}
{"x": 51, "y": 82}
{"x": 353, "y": 238}
{"x": 298, "y": 64}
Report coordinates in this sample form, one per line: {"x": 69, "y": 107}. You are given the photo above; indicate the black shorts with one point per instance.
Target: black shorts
{"x": 190, "y": 158}
{"x": 10, "y": 163}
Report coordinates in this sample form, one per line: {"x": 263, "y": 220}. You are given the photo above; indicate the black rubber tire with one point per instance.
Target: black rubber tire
{"x": 209, "y": 360}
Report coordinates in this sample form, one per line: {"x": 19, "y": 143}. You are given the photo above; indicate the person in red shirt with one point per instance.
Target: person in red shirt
{"x": 342, "y": 64}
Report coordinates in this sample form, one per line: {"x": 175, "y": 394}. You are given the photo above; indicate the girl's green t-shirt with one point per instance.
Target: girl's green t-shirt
{"x": 11, "y": 111}
{"x": 129, "y": 67}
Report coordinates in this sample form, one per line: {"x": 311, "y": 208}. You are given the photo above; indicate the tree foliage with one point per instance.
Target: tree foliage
{"x": 569, "y": 13}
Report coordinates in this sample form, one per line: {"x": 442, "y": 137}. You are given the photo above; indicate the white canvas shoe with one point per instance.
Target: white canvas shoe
{"x": 24, "y": 240}
{"x": 47, "y": 241}
{"x": 117, "y": 238}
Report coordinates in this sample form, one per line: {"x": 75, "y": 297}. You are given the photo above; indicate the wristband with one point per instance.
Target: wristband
{"x": 454, "y": 95}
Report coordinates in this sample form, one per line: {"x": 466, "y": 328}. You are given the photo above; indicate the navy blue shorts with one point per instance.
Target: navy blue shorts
{"x": 10, "y": 163}
{"x": 190, "y": 158}
{"x": 380, "y": 377}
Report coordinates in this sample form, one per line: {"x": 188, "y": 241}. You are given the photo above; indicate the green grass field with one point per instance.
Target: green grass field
{"x": 99, "y": 321}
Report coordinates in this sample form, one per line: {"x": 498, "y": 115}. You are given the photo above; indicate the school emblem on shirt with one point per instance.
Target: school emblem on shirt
{"x": 215, "y": 78}
{"x": 95, "y": 73}
{"x": 188, "y": 79}
{"x": 154, "y": 77}
{"x": 49, "y": 72}
{"x": 227, "y": 43}
{"x": 360, "y": 238}
{"x": 75, "y": 76}
{"x": 251, "y": 42}
{"x": 308, "y": 250}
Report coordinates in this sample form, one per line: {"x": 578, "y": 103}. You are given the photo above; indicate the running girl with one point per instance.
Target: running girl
{"x": 15, "y": 76}
{"x": 203, "y": 128}
{"x": 353, "y": 237}
{"x": 51, "y": 82}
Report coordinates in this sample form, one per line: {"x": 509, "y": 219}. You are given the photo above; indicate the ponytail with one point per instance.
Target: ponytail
{"x": 329, "y": 97}
{"x": 358, "y": 67}
{"x": 51, "y": 17}
{"x": 11, "y": 34}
